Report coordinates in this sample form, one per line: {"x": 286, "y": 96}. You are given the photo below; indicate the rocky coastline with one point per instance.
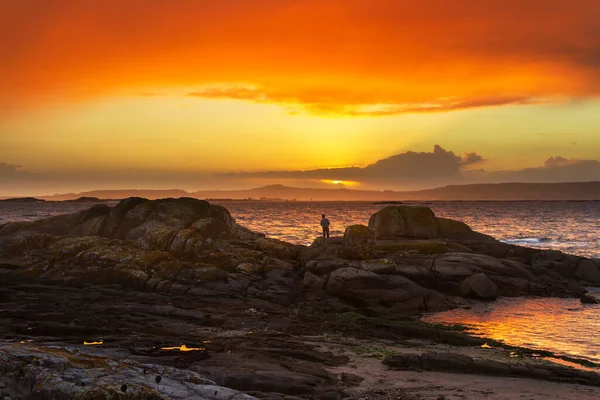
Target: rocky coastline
{"x": 172, "y": 299}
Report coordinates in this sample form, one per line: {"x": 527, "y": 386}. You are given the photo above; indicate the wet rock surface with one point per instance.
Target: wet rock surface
{"x": 144, "y": 278}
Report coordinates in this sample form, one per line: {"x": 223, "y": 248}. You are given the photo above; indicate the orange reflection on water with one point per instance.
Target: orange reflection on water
{"x": 93, "y": 343}
{"x": 184, "y": 348}
{"x": 562, "y": 326}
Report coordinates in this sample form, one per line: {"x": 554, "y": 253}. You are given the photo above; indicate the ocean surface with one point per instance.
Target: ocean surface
{"x": 563, "y": 326}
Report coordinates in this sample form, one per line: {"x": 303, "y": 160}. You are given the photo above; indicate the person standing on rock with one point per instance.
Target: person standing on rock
{"x": 325, "y": 225}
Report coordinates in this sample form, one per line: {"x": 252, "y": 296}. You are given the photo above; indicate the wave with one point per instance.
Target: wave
{"x": 527, "y": 240}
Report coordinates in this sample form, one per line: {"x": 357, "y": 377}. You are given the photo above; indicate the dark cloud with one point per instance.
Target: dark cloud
{"x": 408, "y": 170}
{"x": 471, "y": 158}
{"x": 439, "y": 167}
{"x": 555, "y": 169}
{"x": 558, "y": 162}
{"x": 413, "y": 168}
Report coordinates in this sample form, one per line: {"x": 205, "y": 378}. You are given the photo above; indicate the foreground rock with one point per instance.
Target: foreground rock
{"x": 406, "y": 261}
{"x": 358, "y": 242}
{"x": 145, "y": 276}
{"x": 72, "y": 373}
{"x": 418, "y": 222}
{"x": 480, "y": 287}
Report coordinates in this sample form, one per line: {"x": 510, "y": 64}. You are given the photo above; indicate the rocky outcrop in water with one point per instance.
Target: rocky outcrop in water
{"x": 187, "y": 246}
{"x": 146, "y": 275}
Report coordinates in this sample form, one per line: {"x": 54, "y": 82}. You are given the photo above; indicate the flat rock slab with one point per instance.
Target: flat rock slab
{"x": 59, "y": 372}
{"x": 459, "y": 363}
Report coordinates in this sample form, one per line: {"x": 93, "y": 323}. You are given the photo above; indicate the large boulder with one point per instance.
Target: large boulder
{"x": 133, "y": 219}
{"x": 278, "y": 248}
{"x": 404, "y": 221}
{"x": 379, "y": 266}
{"x": 588, "y": 271}
{"x": 86, "y": 222}
{"x": 326, "y": 266}
{"x": 345, "y": 280}
{"x": 479, "y": 286}
{"x": 176, "y": 214}
{"x": 313, "y": 281}
{"x": 420, "y": 246}
{"x": 458, "y": 230}
{"x": 563, "y": 264}
{"x": 467, "y": 264}
{"x": 118, "y": 212}
{"x": 358, "y": 242}
{"x": 452, "y": 227}
{"x": 401, "y": 294}
{"x": 387, "y": 223}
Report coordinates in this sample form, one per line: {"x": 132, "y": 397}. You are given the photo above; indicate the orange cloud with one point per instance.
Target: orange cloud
{"x": 375, "y": 57}
{"x": 348, "y": 103}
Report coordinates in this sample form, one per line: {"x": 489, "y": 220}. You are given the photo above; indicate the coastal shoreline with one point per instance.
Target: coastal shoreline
{"x": 140, "y": 280}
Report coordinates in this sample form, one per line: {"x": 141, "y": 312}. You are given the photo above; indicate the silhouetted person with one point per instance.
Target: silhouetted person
{"x": 325, "y": 225}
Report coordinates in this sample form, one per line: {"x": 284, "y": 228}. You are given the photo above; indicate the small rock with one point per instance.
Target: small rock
{"x": 479, "y": 286}
{"x": 248, "y": 268}
{"x": 313, "y": 281}
{"x": 587, "y": 299}
{"x": 351, "y": 379}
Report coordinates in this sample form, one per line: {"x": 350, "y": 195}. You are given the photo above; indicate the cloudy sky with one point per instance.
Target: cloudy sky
{"x": 391, "y": 94}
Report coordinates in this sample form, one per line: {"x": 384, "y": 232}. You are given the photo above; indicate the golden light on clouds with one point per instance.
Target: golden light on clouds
{"x": 159, "y": 88}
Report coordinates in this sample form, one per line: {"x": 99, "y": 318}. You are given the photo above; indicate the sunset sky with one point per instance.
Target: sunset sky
{"x": 241, "y": 93}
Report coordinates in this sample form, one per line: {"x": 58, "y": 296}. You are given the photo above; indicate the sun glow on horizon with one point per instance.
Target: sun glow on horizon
{"x": 340, "y": 183}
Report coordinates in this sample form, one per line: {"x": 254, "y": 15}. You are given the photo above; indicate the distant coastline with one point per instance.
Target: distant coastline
{"x": 43, "y": 200}
{"x": 572, "y": 191}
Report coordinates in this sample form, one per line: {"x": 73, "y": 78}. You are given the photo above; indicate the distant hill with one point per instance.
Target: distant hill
{"x": 500, "y": 191}
{"x": 86, "y": 199}
{"x": 98, "y": 195}
{"x": 512, "y": 191}
{"x": 23, "y": 200}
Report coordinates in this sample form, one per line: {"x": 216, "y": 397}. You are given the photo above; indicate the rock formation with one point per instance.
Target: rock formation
{"x": 144, "y": 275}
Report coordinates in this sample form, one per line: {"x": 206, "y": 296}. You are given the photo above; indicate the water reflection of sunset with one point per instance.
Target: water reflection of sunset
{"x": 562, "y": 326}
{"x": 93, "y": 343}
{"x": 183, "y": 347}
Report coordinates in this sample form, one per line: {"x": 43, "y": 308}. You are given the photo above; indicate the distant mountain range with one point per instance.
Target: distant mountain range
{"x": 501, "y": 191}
